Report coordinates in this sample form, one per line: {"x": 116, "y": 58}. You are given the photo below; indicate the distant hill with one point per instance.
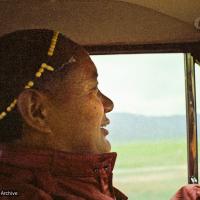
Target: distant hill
{"x": 126, "y": 127}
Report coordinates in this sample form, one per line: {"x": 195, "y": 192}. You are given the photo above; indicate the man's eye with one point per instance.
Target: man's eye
{"x": 95, "y": 89}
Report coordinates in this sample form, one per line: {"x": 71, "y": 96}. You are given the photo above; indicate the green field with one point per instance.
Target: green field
{"x": 151, "y": 170}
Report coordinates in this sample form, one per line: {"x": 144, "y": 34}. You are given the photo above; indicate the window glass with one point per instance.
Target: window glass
{"x": 148, "y": 123}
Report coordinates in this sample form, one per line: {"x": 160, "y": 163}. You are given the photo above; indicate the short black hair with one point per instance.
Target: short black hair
{"x": 21, "y": 54}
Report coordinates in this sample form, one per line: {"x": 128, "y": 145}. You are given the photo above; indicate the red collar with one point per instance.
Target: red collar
{"x": 57, "y": 162}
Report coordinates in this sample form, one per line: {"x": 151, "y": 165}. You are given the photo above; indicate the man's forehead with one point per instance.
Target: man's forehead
{"x": 81, "y": 53}
{"x": 83, "y": 58}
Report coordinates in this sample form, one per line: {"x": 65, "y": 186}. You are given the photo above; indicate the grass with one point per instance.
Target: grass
{"x": 151, "y": 170}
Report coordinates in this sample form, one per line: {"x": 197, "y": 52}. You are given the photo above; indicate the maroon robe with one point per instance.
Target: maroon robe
{"x": 188, "y": 192}
{"x": 52, "y": 175}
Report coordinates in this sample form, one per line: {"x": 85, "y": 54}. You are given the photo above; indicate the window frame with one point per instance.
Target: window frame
{"x": 191, "y": 52}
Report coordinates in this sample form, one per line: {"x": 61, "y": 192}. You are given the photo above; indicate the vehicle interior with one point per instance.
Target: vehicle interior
{"x": 126, "y": 27}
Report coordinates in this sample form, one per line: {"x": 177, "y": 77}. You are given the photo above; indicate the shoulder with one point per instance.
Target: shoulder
{"x": 187, "y": 192}
{"x": 119, "y": 195}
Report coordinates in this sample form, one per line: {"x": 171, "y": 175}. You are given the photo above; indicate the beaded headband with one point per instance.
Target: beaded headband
{"x": 38, "y": 74}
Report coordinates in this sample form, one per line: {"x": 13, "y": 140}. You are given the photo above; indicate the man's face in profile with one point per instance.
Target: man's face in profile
{"x": 79, "y": 116}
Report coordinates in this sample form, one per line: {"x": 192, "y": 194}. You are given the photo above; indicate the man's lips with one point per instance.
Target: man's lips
{"x": 105, "y": 131}
{"x": 105, "y": 122}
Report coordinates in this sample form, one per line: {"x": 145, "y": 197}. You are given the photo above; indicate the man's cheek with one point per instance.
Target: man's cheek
{"x": 94, "y": 114}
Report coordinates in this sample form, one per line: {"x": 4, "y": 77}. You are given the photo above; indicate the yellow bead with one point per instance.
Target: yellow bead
{"x": 8, "y": 108}
{"x": 41, "y": 70}
{"x": 50, "y": 53}
{"x": 3, "y": 114}
{"x": 38, "y": 74}
{"x": 54, "y": 40}
{"x": 30, "y": 83}
{"x": 26, "y": 87}
{"x": 49, "y": 68}
{"x": 43, "y": 65}
{"x": 55, "y": 36}
{"x": 52, "y": 47}
{"x": 12, "y": 105}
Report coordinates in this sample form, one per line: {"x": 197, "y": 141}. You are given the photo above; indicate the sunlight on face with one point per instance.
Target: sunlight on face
{"x": 80, "y": 119}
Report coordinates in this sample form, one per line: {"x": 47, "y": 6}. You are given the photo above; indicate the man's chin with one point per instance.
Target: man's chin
{"x": 106, "y": 147}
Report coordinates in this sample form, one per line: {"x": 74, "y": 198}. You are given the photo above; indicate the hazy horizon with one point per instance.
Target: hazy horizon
{"x": 131, "y": 113}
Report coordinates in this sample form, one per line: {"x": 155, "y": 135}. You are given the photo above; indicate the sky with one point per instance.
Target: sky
{"x": 145, "y": 84}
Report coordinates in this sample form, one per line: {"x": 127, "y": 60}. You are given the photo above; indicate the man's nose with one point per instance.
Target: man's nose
{"x": 107, "y": 103}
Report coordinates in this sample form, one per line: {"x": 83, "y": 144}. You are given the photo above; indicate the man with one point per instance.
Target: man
{"x": 53, "y": 118}
{"x": 52, "y": 121}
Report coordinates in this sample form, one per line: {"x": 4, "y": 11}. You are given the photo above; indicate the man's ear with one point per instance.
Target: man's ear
{"x": 32, "y": 104}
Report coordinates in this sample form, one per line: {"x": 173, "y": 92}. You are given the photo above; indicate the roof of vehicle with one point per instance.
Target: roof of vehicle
{"x": 107, "y": 22}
